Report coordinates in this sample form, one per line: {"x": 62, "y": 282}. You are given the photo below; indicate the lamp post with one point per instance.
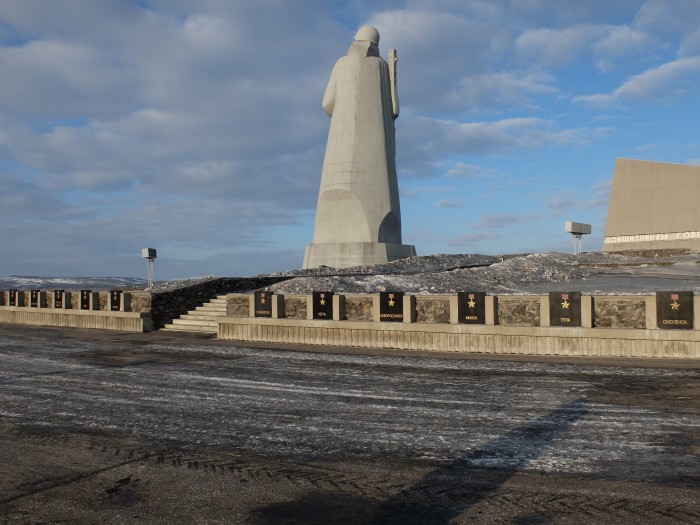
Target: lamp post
{"x": 577, "y": 230}
{"x": 149, "y": 254}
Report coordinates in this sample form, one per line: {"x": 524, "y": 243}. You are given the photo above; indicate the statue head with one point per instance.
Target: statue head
{"x": 367, "y": 34}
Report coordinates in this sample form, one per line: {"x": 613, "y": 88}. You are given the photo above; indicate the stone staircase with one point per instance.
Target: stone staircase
{"x": 201, "y": 319}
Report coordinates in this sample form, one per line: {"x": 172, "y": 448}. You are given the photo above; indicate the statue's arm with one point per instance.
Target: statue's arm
{"x": 328, "y": 103}
{"x": 393, "y": 58}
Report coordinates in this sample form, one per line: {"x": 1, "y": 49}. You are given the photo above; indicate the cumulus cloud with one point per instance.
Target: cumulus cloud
{"x": 556, "y": 47}
{"x": 472, "y": 239}
{"x": 658, "y": 83}
{"x": 597, "y": 196}
{"x": 450, "y": 203}
{"x": 501, "y": 220}
{"x": 197, "y": 125}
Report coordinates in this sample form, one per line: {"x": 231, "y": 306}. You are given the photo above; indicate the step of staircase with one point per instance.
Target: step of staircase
{"x": 202, "y": 319}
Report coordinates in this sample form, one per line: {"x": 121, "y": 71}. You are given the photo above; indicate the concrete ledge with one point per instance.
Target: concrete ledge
{"x": 102, "y": 320}
{"x": 526, "y": 340}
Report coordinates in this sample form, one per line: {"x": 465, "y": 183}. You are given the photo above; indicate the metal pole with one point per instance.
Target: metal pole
{"x": 150, "y": 272}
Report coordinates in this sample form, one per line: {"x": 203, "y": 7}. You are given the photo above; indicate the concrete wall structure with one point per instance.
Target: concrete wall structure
{"x": 98, "y": 319}
{"x": 614, "y": 326}
{"x": 522, "y": 340}
{"x": 653, "y": 206}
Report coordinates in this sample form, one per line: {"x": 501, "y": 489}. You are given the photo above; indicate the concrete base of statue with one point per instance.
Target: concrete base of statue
{"x": 348, "y": 254}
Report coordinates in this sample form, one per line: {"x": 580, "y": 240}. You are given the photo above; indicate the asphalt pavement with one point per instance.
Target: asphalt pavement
{"x": 105, "y": 427}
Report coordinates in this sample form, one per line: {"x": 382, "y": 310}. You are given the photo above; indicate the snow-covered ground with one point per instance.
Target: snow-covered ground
{"x": 535, "y": 273}
{"x": 538, "y": 273}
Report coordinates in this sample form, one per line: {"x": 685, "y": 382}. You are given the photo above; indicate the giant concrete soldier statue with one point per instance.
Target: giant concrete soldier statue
{"x": 358, "y": 219}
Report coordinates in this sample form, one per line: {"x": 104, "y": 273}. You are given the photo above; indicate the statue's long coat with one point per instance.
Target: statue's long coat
{"x": 358, "y": 200}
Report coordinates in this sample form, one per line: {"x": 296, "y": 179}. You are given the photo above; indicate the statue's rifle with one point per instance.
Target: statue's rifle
{"x": 393, "y": 58}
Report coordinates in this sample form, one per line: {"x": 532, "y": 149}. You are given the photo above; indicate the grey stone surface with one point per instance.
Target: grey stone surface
{"x": 591, "y": 273}
{"x": 619, "y": 313}
{"x": 295, "y": 307}
{"x": 432, "y": 310}
{"x": 358, "y": 308}
{"x": 358, "y": 217}
{"x": 519, "y": 312}
{"x": 172, "y": 300}
{"x": 238, "y": 306}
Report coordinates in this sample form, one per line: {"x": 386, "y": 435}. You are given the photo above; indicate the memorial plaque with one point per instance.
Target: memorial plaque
{"x": 58, "y": 298}
{"x": 565, "y": 309}
{"x": 115, "y": 297}
{"x": 391, "y": 306}
{"x": 263, "y": 304}
{"x": 674, "y": 310}
{"x": 85, "y": 299}
{"x": 471, "y": 307}
{"x": 322, "y": 305}
{"x": 13, "y": 298}
{"x": 34, "y": 298}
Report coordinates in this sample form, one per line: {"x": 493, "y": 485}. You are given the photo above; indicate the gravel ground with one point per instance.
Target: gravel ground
{"x": 594, "y": 272}
{"x": 158, "y": 428}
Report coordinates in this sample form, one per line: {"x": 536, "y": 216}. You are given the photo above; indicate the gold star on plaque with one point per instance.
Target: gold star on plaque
{"x": 565, "y": 304}
{"x": 391, "y": 302}
{"x": 262, "y": 299}
{"x": 675, "y": 305}
{"x": 471, "y": 303}
{"x": 322, "y": 301}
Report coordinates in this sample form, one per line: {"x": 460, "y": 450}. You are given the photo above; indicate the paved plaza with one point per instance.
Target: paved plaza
{"x": 102, "y": 427}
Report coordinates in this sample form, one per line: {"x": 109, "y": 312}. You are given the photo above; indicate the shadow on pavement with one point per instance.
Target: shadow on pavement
{"x": 443, "y": 494}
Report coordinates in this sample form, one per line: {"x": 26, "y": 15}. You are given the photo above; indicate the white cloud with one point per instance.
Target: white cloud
{"x": 597, "y": 196}
{"x": 121, "y": 117}
{"x": 472, "y": 239}
{"x": 659, "y": 83}
{"x": 498, "y": 90}
{"x": 622, "y": 42}
{"x": 557, "y": 47}
{"x": 690, "y": 46}
{"x": 450, "y": 203}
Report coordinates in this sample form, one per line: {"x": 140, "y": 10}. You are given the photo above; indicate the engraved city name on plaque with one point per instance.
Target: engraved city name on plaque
{"x": 263, "y": 304}
{"x": 116, "y": 297}
{"x": 674, "y": 310}
{"x": 34, "y": 298}
{"x": 58, "y": 298}
{"x": 13, "y": 297}
{"x": 85, "y": 299}
{"x": 391, "y": 306}
{"x": 565, "y": 309}
{"x": 471, "y": 307}
{"x": 322, "y": 305}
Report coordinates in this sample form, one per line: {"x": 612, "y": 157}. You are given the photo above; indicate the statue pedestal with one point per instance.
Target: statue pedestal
{"x": 348, "y": 254}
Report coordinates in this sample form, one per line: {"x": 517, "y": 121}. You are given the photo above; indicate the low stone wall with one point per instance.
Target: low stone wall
{"x": 524, "y": 340}
{"x": 520, "y": 311}
{"x": 432, "y": 309}
{"x": 609, "y": 326}
{"x": 165, "y": 306}
{"x": 96, "y": 319}
{"x": 619, "y": 312}
{"x": 295, "y": 307}
{"x": 359, "y": 307}
{"x": 238, "y": 305}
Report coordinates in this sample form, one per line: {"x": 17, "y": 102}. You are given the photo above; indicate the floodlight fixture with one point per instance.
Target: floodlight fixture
{"x": 149, "y": 254}
{"x": 577, "y": 230}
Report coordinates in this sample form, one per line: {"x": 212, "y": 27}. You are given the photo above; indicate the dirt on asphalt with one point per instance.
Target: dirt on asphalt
{"x": 100, "y": 427}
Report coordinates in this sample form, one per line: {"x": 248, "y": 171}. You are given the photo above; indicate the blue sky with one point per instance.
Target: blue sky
{"x": 196, "y": 127}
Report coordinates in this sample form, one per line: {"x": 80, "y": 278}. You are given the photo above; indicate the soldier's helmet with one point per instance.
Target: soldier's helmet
{"x": 367, "y": 34}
